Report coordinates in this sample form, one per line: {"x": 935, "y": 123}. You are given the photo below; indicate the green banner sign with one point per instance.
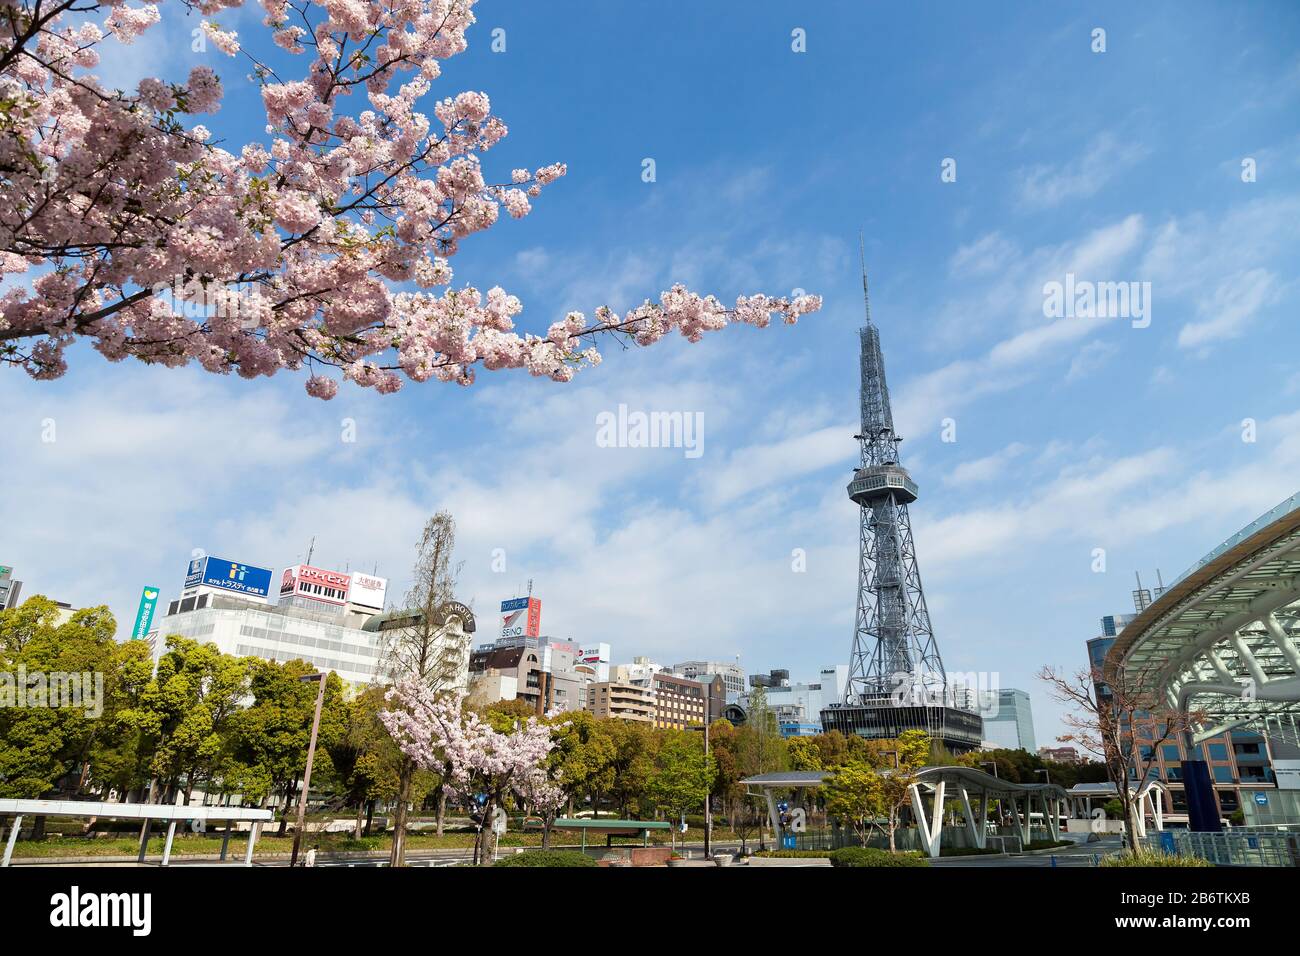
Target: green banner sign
{"x": 144, "y": 616}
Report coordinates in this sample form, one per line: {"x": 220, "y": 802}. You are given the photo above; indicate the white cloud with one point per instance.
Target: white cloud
{"x": 1234, "y": 303}
{"x": 990, "y": 253}
{"x": 1046, "y": 185}
{"x": 986, "y": 468}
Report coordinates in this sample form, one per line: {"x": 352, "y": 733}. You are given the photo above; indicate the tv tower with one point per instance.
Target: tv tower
{"x": 897, "y": 681}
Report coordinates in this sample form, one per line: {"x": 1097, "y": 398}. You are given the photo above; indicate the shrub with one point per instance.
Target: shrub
{"x": 796, "y": 854}
{"x": 1151, "y": 858}
{"x": 870, "y": 856}
{"x": 1047, "y": 844}
{"x": 967, "y": 851}
{"x": 547, "y": 858}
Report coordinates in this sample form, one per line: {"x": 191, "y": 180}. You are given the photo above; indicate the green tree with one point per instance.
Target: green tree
{"x": 581, "y": 764}
{"x": 877, "y": 784}
{"x": 683, "y": 774}
{"x": 269, "y": 738}
{"x": 854, "y": 794}
{"x": 183, "y": 716}
{"x": 632, "y": 766}
{"x": 761, "y": 749}
{"x": 804, "y": 754}
{"x": 365, "y": 759}
{"x": 42, "y": 745}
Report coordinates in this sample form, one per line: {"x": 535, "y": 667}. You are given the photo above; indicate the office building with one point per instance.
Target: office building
{"x": 621, "y": 701}
{"x": 1010, "y": 724}
{"x": 10, "y": 590}
{"x": 798, "y": 707}
{"x": 1060, "y": 755}
{"x": 679, "y": 702}
{"x": 733, "y": 676}
{"x": 247, "y": 627}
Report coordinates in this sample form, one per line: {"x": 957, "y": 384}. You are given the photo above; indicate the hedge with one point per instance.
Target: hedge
{"x": 547, "y": 858}
{"x": 870, "y": 856}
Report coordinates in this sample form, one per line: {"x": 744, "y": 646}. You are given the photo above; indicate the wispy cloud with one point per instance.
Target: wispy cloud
{"x": 1047, "y": 184}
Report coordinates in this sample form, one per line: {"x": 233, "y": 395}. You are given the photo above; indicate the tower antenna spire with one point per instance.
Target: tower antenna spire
{"x": 897, "y": 680}
{"x": 866, "y": 296}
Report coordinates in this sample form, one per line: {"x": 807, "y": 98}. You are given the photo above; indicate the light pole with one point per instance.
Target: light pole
{"x": 708, "y": 793}
{"x": 311, "y": 756}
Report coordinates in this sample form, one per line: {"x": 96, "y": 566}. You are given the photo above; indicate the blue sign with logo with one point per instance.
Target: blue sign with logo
{"x": 1261, "y": 799}
{"x": 1167, "y": 842}
{"x": 144, "y": 616}
{"x": 515, "y": 604}
{"x": 230, "y": 575}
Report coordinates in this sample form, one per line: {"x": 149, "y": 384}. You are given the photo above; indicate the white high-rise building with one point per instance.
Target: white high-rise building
{"x": 733, "y": 677}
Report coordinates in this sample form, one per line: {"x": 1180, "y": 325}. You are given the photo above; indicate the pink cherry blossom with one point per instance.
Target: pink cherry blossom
{"x": 325, "y": 246}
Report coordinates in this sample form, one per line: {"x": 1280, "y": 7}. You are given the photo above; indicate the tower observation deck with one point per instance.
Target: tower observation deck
{"x": 897, "y": 680}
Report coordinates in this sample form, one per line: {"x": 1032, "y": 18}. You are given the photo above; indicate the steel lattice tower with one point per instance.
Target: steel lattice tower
{"x": 896, "y": 677}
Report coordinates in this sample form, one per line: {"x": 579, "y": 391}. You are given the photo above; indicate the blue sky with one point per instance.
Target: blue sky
{"x": 1072, "y": 434}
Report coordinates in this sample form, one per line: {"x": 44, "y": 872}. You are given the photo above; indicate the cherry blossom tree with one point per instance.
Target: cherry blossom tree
{"x": 327, "y": 249}
{"x": 434, "y": 730}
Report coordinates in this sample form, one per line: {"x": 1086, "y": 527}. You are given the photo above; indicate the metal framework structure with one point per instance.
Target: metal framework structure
{"x": 1222, "y": 640}
{"x": 930, "y": 789}
{"x": 895, "y": 661}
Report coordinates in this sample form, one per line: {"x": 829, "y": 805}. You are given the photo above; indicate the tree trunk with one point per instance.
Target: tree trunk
{"x": 1130, "y": 825}
{"x": 361, "y": 812}
{"x": 397, "y": 855}
{"x": 289, "y": 789}
{"x": 442, "y": 808}
{"x": 370, "y": 817}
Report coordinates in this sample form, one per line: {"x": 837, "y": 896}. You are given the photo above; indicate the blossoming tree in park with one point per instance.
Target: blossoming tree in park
{"x": 431, "y": 728}
{"x": 325, "y": 248}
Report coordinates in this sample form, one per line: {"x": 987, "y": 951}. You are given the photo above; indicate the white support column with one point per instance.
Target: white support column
{"x": 931, "y": 828}
{"x": 983, "y": 820}
{"x": 1051, "y": 816}
{"x": 922, "y": 821}
{"x": 253, "y": 830}
{"x": 771, "y": 813}
{"x": 1158, "y": 807}
{"x": 13, "y": 838}
{"x": 167, "y": 847}
{"x": 1022, "y": 821}
{"x": 969, "y": 816}
{"x": 1140, "y": 817}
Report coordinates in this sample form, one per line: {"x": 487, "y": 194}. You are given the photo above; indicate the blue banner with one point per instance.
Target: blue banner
{"x": 229, "y": 575}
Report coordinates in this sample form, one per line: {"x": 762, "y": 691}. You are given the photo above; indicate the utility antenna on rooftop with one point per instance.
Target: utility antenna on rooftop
{"x": 311, "y": 548}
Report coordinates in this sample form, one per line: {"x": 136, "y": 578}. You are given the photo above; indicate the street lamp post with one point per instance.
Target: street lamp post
{"x": 311, "y": 756}
{"x": 708, "y": 795}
